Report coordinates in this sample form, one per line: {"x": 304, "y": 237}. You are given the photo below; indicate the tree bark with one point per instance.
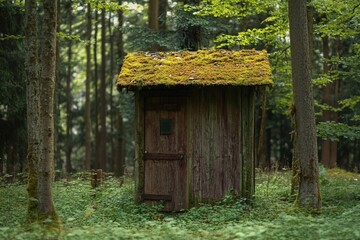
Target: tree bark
{"x": 111, "y": 100}
{"x": 119, "y": 167}
{"x": 87, "y": 162}
{"x": 326, "y": 144}
{"x": 96, "y": 107}
{"x": 306, "y": 142}
{"x": 295, "y": 166}
{"x": 163, "y": 5}
{"x": 47, "y": 85}
{"x": 119, "y": 161}
{"x": 33, "y": 106}
{"x": 334, "y": 115}
{"x": 103, "y": 92}
{"x": 261, "y": 151}
{"x": 153, "y": 14}
{"x": 57, "y": 154}
{"x": 193, "y": 34}
{"x": 68, "y": 143}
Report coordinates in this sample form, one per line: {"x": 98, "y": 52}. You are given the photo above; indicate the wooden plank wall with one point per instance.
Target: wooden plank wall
{"x": 219, "y": 139}
{"x": 220, "y": 135}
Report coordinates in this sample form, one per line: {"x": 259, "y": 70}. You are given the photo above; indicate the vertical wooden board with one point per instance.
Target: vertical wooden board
{"x": 244, "y": 133}
{"x": 237, "y": 150}
{"x": 216, "y": 157}
{"x": 252, "y": 141}
{"x": 230, "y": 141}
{"x": 248, "y": 142}
{"x": 194, "y": 116}
{"x": 210, "y": 155}
{"x": 189, "y": 150}
{"x": 139, "y": 145}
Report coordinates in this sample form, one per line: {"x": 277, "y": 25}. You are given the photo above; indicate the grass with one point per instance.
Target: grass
{"x": 110, "y": 212}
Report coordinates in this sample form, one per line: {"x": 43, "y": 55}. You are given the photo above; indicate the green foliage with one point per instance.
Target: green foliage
{"x": 233, "y": 8}
{"x": 110, "y": 212}
{"x": 334, "y": 131}
{"x": 338, "y": 18}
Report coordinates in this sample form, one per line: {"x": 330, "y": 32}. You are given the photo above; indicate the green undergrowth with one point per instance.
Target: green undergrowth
{"x": 109, "y": 212}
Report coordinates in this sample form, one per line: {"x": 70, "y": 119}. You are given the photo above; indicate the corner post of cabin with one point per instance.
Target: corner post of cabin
{"x": 139, "y": 146}
{"x": 248, "y": 144}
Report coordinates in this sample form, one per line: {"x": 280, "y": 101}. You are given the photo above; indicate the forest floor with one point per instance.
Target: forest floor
{"x": 109, "y": 212}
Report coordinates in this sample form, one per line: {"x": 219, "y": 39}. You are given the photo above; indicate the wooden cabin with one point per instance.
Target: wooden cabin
{"x": 194, "y": 123}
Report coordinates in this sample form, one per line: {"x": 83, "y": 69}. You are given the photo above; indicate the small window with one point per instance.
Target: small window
{"x": 165, "y": 127}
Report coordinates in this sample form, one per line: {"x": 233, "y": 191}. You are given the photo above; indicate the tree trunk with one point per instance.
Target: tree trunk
{"x": 33, "y": 106}
{"x": 111, "y": 102}
{"x": 153, "y": 21}
{"x": 334, "y": 115}
{"x": 87, "y": 162}
{"x": 57, "y": 155}
{"x": 96, "y": 107}
{"x": 47, "y": 84}
{"x": 326, "y": 144}
{"x": 68, "y": 144}
{"x": 163, "y": 5}
{"x": 120, "y": 158}
{"x": 119, "y": 161}
{"x": 193, "y": 34}
{"x": 153, "y": 14}
{"x": 261, "y": 151}
{"x": 295, "y": 166}
{"x": 103, "y": 92}
{"x": 306, "y": 142}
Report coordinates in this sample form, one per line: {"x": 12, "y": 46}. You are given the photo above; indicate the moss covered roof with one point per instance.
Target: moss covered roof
{"x": 204, "y": 67}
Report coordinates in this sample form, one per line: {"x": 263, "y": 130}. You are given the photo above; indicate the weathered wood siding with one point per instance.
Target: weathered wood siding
{"x": 209, "y": 154}
{"x": 220, "y": 142}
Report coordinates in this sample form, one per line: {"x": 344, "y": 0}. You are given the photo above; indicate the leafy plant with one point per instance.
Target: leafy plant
{"x": 109, "y": 212}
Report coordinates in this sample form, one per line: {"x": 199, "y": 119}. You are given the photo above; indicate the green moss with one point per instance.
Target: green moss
{"x": 33, "y": 203}
{"x": 51, "y": 223}
{"x": 204, "y": 67}
{"x": 338, "y": 173}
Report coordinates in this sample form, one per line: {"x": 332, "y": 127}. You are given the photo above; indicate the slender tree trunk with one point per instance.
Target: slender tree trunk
{"x": 335, "y": 118}
{"x": 96, "y": 112}
{"x": 69, "y": 144}
{"x": 261, "y": 151}
{"x": 326, "y": 144}
{"x": 193, "y": 34}
{"x": 153, "y": 14}
{"x": 163, "y": 5}
{"x": 87, "y": 162}
{"x": 111, "y": 100}
{"x": 334, "y": 115}
{"x": 306, "y": 142}
{"x": 1, "y": 166}
{"x": 10, "y": 161}
{"x": 329, "y": 148}
{"x": 103, "y": 92}
{"x": 119, "y": 162}
{"x": 57, "y": 157}
{"x": 47, "y": 85}
{"x": 33, "y": 106}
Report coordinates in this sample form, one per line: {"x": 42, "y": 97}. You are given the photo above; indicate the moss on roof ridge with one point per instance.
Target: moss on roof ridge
{"x": 204, "y": 67}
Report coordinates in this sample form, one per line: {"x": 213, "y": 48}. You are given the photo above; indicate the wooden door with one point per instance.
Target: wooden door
{"x": 165, "y": 148}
